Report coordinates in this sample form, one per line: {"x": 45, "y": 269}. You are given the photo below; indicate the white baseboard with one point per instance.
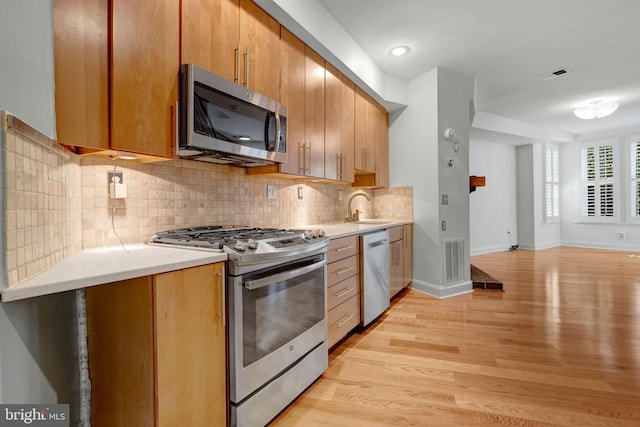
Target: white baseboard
{"x": 488, "y": 250}
{"x": 600, "y": 245}
{"x": 442, "y": 292}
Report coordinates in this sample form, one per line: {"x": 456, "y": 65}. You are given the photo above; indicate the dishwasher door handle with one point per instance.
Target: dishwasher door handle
{"x": 378, "y": 243}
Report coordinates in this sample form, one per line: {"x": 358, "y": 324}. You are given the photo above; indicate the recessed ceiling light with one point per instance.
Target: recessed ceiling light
{"x": 596, "y": 110}
{"x": 399, "y": 50}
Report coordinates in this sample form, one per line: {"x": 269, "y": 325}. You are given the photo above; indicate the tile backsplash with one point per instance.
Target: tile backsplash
{"x": 58, "y": 203}
{"x": 42, "y": 203}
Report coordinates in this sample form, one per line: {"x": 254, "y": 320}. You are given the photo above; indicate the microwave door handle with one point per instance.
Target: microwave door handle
{"x": 267, "y": 127}
{"x": 286, "y": 275}
{"x": 277, "y": 148}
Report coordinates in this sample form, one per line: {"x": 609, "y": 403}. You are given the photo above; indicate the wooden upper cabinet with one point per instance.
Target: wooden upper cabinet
{"x": 363, "y": 145}
{"x": 259, "y": 50}
{"x": 382, "y": 147}
{"x": 292, "y": 89}
{"x": 314, "y": 114}
{"x": 144, "y": 80}
{"x": 210, "y": 32}
{"x": 339, "y": 126}
{"x": 234, "y": 39}
{"x": 371, "y": 140}
{"x": 80, "y": 29}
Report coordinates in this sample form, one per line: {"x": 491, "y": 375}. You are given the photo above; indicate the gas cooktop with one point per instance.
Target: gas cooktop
{"x": 244, "y": 244}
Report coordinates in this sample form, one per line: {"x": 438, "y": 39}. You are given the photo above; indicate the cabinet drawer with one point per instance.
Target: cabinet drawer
{"x": 342, "y": 319}
{"x": 342, "y": 247}
{"x": 343, "y": 269}
{"x": 395, "y": 233}
{"x": 342, "y": 291}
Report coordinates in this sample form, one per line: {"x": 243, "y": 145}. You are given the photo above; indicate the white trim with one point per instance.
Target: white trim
{"x": 600, "y": 245}
{"x": 489, "y": 250}
{"x": 442, "y": 292}
{"x": 553, "y": 181}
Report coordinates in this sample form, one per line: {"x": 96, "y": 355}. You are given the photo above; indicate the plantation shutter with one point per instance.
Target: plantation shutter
{"x": 635, "y": 179}
{"x": 597, "y": 182}
{"x": 552, "y": 185}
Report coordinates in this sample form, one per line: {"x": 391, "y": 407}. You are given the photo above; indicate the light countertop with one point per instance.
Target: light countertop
{"x": 342, "y": 229}
{"x": 98, "y": 266}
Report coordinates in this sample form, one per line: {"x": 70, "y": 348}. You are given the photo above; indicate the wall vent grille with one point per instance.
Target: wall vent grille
{"x": 455, "y": 261}
{"x": 554, "y": 74}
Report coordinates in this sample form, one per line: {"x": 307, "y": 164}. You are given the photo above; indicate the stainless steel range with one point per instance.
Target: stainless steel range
{"x": 276, "y": 281}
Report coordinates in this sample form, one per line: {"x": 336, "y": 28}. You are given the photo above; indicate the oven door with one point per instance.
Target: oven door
{"x": 277, "y": 316}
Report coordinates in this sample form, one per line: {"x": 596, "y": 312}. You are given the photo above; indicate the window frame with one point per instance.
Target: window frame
{"x": 551, "y": 185}
{"x": 633, "y": 179}
{"x": 599, "y": 181}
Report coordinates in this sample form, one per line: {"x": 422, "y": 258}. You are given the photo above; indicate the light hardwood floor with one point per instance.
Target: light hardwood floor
{"x": 560, "y": 347}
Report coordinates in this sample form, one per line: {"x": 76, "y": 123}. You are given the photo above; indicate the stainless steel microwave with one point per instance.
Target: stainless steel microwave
{"x": 225, "y": 123}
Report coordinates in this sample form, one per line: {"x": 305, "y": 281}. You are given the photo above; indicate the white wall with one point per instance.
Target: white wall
{"x": 26, "y": 62}
{"x": 413, "y": 161}
{"x": 438, "y": 100}
{"x": 493, "y": 208}
{"x": 525, "y": 196}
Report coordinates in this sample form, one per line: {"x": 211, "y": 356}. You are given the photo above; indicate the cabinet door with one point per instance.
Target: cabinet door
{"x": 144, "y": 81}
{"x": 292, "y": 91}
{"x": 360, "y": 114}
{"x": 382, "y": 147}
{"x": 260, "y": 50}
{"x": 339, "y": 126}
{"x": 121, "y": 351}
{"x": 397, "y": 266}
{"x": 190, "y": 346}
{"x": 80, "y": 49}
{"x": 210, "y": 34}
{"x": 407, "y": 255}
{"x": 314, "y": 114}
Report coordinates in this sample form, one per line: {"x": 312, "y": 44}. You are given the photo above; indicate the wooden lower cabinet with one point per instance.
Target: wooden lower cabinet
{"x": 400, "y": 251}
{"x": 157, "y": 349}
{"x": 407, "y": 255}
{"x": 343, "y": 287}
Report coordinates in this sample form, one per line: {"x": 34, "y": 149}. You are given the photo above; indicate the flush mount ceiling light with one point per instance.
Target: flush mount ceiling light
{"x": 596, "y": 110}
{"x": 399, "y": 50}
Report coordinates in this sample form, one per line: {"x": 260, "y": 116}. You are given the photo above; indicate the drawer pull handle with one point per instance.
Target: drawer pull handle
{"x": 343, "y": 270}
{"x": 344, "y": 248}
{"x": 344, "y": 320}
{"x": 344, "y": 292}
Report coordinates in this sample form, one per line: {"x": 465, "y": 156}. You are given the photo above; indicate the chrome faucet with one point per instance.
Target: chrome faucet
{"x": 355, "y": 217}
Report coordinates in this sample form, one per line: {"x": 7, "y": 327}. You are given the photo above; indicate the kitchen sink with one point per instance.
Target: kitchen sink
{"x": 373, "y": 222}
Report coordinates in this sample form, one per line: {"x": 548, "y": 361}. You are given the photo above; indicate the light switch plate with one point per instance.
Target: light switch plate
{"x": 271, "y": 191}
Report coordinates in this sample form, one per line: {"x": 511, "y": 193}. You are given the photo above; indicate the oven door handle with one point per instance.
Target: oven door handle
{"x": 270, "y": 280}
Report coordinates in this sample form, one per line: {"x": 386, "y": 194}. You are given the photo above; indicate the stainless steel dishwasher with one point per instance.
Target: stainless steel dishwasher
{"x": 374, "y": 249}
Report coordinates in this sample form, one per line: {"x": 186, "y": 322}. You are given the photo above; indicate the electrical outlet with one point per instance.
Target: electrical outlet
{"x": 271, "y": 191}
{"x": 300, "y": 193}
{"x": 115, "y": 177}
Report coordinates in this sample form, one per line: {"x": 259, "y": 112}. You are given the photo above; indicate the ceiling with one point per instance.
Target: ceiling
{"x": 505, "y": 45}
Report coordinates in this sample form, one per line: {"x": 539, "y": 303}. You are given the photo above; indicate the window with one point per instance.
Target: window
{"x": 598, "y": 183}
{"x": 634, "y": 201}
{"x": 551, "y": 185}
